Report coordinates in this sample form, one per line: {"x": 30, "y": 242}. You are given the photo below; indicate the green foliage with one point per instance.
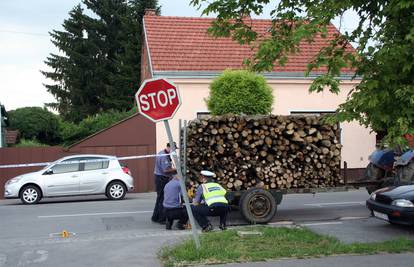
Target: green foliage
{"x": 72, "y": 132}
{"x": 240, "y": 92}
{"x": 29, "y": 143}
{"x": 383, "y": 56}
{"x": 274, "y": 243}
{"x": 35, "y": 123}
{"x": 98, "y": 67}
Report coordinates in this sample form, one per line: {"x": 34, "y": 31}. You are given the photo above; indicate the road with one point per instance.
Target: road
{"x": 120, "y": 233}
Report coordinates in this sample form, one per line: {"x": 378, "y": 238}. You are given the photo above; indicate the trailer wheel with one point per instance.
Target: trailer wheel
{"x": 258, "y": 205}
{"x": 373, "y": 173}
{"x": 405, "y": 174}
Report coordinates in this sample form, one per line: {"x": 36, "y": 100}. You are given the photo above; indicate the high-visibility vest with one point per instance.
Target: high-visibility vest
{"x": 214, "y": 193}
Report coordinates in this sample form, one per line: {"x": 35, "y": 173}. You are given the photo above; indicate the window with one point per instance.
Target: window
{"x": 203, "y": 114}
{"x": 68, "y": 167}
{"x": 89, "y": 166}
{"x": 312, "y": 113}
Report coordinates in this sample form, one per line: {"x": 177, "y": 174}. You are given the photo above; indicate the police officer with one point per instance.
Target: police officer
{"x": 214, "y": 202}
{"x": 173, "y": 208}
{"x": 163, "y": 172}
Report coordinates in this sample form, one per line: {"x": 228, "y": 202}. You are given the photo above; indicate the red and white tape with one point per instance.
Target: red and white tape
{"x": 82, "y": 161}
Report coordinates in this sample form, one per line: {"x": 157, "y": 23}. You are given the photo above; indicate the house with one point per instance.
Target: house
{"x": 179, "y": 49}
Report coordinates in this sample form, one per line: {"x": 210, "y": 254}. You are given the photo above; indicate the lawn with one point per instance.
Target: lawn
{"x": 274, "y": 243}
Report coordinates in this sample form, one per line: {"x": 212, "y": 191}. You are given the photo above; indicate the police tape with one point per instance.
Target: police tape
{"x": 108, "y": 158}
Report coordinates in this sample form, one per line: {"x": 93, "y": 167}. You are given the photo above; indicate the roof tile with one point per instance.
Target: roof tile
{"x": 182, "y": 44}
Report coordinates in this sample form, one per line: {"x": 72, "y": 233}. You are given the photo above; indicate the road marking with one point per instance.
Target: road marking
{"x": 322, "y": 223}
{"x": 92, "y": 214}
{"x": 335, "y": 204}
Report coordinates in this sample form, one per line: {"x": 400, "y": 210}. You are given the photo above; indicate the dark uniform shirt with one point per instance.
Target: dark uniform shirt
{"x": 162, "y": 163}
{"x": 172, "y": 194}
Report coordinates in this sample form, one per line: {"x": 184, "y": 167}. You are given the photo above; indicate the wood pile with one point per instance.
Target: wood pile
{"x": 271, "y": 152}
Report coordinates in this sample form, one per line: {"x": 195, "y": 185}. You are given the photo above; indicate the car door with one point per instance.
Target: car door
{"x": 94, "y": 176}
{"x": 63, "y": 178}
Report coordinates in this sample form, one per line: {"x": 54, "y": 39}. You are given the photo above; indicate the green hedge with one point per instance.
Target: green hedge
{"x": 240, "y": 92}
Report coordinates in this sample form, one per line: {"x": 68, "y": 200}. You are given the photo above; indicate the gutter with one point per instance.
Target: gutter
{"x": 267, "y": 75}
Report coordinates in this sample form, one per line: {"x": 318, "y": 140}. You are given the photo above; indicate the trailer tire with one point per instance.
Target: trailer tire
{"x": 373, "y": 173}
{"x": 258, "y": 206}
{"x": 405, "y": 174}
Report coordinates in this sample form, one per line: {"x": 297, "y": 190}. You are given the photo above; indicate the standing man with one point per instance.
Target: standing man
{"x": 215, "y": 202}
{"x": 163, "y": 172}
{"x": 173, "y": 207}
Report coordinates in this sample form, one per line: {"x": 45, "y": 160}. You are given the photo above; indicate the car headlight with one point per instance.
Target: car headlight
{"x": 404, "y": 203}
{"x": 373, "y": 196}
{"x": 14, "y": 180}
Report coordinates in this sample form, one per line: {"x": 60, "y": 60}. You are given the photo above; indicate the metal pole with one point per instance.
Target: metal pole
{"x": 184, "y": 153}
{"x": 183, "y": 189}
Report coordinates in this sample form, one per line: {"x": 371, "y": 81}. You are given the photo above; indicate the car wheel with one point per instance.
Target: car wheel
{"x": 116, "y": 190}
{"x": 30, "y": 194}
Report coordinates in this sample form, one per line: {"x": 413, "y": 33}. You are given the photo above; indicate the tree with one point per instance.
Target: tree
{"x": 383, "y": 57}
{"x": 35, "y": 123}
{"x": 240, "y": 91}
{"x": 98, "y": 68}
{"x": 72, "y": 132}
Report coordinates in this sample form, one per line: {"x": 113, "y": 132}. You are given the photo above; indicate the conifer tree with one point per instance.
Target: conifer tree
{"x": 98, "y": 64}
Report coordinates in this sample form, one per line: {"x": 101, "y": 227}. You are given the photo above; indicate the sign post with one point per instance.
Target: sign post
{"x": 159, "y": 100}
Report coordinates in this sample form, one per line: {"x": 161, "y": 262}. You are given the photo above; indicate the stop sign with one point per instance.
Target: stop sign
{"x": 158, "y": 99}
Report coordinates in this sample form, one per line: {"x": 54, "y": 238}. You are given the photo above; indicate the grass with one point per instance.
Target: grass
{"x": 275, "y": 243}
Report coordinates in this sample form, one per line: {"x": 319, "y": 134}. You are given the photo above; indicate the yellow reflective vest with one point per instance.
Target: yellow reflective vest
{"x": 214, "y": 193}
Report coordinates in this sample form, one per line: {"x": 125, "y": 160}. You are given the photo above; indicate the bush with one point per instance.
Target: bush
{"x": 35, "y": 123}
{"x": 29, "y": 143}
{"x": 240, "y": 92}
{"x": 71, "y": 132}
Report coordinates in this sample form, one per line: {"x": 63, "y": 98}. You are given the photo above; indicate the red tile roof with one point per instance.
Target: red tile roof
{"x": 182, "y": 44}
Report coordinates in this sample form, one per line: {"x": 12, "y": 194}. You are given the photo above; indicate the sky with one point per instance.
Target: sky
{"x": 25, "y": 44}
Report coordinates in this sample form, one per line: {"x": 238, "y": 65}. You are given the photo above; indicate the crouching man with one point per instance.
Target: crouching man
{"x": 214, "y": 202}
{"x": 173, "y": 208}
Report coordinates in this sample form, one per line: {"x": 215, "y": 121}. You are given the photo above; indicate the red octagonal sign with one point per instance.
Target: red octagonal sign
{"x": 158, "y": 99}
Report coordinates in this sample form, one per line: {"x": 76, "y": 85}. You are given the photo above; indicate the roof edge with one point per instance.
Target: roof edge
{"x": 268, "y": 75}
{"x": 147, "y": 46}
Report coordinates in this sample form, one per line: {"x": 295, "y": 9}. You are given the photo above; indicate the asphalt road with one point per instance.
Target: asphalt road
{"x": 120, "y": 233}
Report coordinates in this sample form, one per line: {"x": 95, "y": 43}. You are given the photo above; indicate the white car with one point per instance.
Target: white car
{"x": 71, "y": 176}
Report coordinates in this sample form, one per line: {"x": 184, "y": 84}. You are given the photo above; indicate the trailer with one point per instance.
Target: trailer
{"x": 259, "y": 204}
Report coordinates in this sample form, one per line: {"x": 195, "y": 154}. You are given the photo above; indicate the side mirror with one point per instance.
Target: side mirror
{"x": 48, "y": 172}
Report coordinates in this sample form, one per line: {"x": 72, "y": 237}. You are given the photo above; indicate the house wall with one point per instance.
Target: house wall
{"x": 290, "y": 95}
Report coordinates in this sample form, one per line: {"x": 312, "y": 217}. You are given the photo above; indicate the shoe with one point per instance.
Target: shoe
{"x": 162, "y": 222}
{"x": 223, "y": 227}
{"x": 168, "y": 225}
{"x": 208, "y": 228}
{"x": 180, "y": 226}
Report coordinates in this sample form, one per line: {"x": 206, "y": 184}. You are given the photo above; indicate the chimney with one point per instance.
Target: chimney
{"x": 150, "y": 12}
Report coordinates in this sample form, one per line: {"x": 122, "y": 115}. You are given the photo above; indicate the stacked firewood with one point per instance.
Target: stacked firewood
{"x": 271, "y": 152}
